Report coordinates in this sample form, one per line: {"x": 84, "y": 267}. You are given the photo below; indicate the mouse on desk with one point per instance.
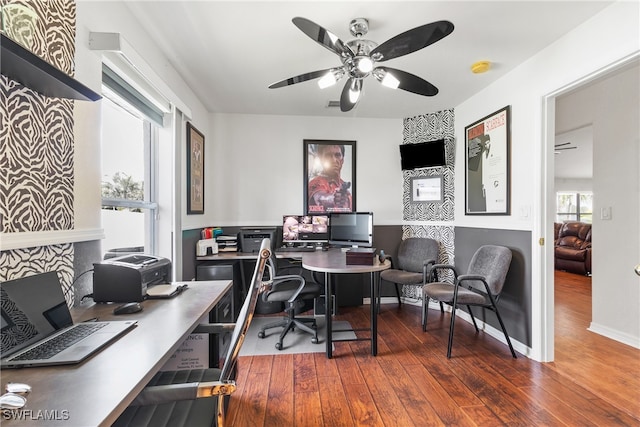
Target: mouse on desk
{"x": 128, "y": 308}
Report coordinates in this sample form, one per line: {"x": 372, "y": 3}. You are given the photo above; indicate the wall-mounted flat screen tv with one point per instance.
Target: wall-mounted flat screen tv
{"x": 422, "y": 155}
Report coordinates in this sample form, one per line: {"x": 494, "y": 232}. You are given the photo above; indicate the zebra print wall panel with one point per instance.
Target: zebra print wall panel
{"x": 27, "y": 262}
{"x": 36, "y": 143}
{"x": 430, "y": 127}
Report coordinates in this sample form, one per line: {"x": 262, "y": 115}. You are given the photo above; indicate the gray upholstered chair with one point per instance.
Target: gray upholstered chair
{"x": 293, "y": 290}
{"x": 480, "y": 287}
{"x": 197, "y": 397}
{"x": 412, "y": 264}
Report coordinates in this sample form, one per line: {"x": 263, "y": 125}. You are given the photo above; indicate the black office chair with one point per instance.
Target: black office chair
{"x": 480, "y": 287}
{"x": 293, "y": 290}
{"x": 197, "y": 397}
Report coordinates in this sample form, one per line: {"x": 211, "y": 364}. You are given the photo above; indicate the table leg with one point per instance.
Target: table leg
{"x": 374, "y": 313}
{"x": 327, "y": 313}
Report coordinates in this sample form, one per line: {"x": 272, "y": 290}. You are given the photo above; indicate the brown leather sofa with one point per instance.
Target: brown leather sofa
{"x": 572, "y": 251}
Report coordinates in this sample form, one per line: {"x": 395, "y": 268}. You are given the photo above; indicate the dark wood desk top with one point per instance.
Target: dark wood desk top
{"x": 96, "y": 391}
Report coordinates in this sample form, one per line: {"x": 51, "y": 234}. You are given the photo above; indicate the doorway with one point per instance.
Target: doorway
{"x": 596, "y": 104}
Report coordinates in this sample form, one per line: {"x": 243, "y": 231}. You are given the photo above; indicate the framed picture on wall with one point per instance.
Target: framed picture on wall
{"x": 329, "y": 176}
{"x": 426, "y": 189}
{"x": 195, "y": 170}
{"x": 487, "y": 172}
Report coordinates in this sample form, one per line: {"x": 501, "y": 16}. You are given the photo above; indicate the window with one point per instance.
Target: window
{"x": 574, "y": 206}
{"x": 128, "y": 199}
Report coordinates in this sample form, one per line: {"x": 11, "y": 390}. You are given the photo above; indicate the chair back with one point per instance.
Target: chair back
{"x": 491, "y": 262}
{"x": 246, "y": 312}
{"x": 414, "y": 251}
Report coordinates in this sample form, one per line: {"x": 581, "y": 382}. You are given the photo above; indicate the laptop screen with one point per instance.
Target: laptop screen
{"x": 31, "y": 308}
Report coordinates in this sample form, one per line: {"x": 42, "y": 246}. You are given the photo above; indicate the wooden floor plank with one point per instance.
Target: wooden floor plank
{"x": 593, "y": 380}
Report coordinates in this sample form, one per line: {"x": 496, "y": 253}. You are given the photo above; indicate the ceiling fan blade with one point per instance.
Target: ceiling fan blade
{"x": 299, "y": 79}
{"x": 351, "y": 94}
{"x": 562, "y": 144}
{"x": 412, "y": 40}
{"x": 322, "y": 36}
{"x": 409, "y": 82}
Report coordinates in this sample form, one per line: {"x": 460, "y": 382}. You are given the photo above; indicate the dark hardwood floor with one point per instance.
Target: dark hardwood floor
{"x": 594, "y": 381}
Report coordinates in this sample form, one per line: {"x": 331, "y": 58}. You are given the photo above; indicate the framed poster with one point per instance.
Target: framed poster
{"x": 329, "y": 176}
{"x": 427, "y": 189}
{"x": 195, "y": 170}
{"x": 487, "y": 145}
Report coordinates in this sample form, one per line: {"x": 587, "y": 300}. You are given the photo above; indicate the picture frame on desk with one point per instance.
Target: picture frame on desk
{"x": 195, "y": 170}
{"x": 329, "y": 176}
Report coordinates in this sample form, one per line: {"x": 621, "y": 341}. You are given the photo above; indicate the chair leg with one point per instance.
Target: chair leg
{"x": 473, "y": 319}
{"x": 504, "y": 331}
{"x": 453, "y": 322}
{"x": 441, "y": 307}
{"x": 398, "y": 294}
{"x": 425, "y": 313}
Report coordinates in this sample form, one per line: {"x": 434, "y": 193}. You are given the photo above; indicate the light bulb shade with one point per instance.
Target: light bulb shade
{"x": 386, "y": 78}
{"x": 355, "y": 90}
{"x": 327, "y": 80}
{"x": 364, "y": 64}
{"x": 390, "y": 81}
{"x": 331, "y": 77}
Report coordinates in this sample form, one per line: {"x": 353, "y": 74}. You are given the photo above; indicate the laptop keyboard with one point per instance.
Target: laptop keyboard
{"x": 55, "y": 345}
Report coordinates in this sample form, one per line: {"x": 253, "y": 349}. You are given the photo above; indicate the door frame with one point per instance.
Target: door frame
{"x": 545, "y": 297}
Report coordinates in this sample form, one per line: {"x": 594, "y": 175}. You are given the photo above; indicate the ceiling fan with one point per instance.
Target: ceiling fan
{"x": 557, "y": 148}
{"x": 360, "y": 55}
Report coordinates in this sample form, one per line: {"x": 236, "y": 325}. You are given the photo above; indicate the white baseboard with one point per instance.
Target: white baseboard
{"x": 615, "y": 335}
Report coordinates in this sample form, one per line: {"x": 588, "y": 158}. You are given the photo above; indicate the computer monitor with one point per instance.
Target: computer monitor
{"x": 353, "y": 229}
{"x": 304, "y": 228}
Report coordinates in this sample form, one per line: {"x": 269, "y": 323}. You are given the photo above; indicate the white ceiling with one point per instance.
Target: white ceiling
{"x": 229, "y": 52}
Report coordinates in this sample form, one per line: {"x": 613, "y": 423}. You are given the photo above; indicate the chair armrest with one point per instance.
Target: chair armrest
{"x": 289, "y": 278}
{"x": 436, "y": 267}
{"x": 214, "y": 328}
{"x": 475, "y": 278}
{"x": 159, "y": 394}
{"x": 427, "y": 266}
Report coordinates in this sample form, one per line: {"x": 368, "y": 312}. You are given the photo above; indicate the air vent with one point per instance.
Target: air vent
{"x": 333, "y": 104}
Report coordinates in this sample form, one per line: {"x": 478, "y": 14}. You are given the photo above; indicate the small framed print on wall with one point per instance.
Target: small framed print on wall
{"x": 195, "y": 170}
{"x": 487, "y": 145}
{"x": 426, "y": 189}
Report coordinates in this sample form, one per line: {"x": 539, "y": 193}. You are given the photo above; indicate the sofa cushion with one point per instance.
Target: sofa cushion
{"x": 571, "y": 254}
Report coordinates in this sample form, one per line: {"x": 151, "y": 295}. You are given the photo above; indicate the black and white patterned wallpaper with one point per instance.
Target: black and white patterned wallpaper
{"x": 430, "y": 127}
{"x": 37, "y": 143}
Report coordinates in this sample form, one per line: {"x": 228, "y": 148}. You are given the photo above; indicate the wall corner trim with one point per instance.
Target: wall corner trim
{"x": 9, "y": 241}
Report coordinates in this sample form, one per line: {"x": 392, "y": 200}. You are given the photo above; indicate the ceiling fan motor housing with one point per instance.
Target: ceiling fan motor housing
{"x": 359, "y": 27}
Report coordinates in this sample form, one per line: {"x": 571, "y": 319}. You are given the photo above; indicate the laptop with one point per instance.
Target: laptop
{"x": 35, "y": 317}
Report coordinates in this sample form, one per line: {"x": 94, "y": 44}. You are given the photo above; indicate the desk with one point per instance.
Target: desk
{"x": 95, "y": 392}
{"x": 333, "y": 261}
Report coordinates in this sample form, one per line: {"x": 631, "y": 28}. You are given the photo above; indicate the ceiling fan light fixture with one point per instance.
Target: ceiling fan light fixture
{"x": 330, "y": 78}
{"x": 355, "y": 90}
{"x": 364, "y": 64}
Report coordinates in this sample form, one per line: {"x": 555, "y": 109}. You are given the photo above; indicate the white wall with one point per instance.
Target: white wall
{"x": 616, "y": 182}
{"x": 601, "y": 41}
{"x": 114, "y": 17}
{"x": 254, "y": 170}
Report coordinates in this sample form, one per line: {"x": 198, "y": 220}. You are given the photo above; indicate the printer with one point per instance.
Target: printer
{"x": 126, "y": 278}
